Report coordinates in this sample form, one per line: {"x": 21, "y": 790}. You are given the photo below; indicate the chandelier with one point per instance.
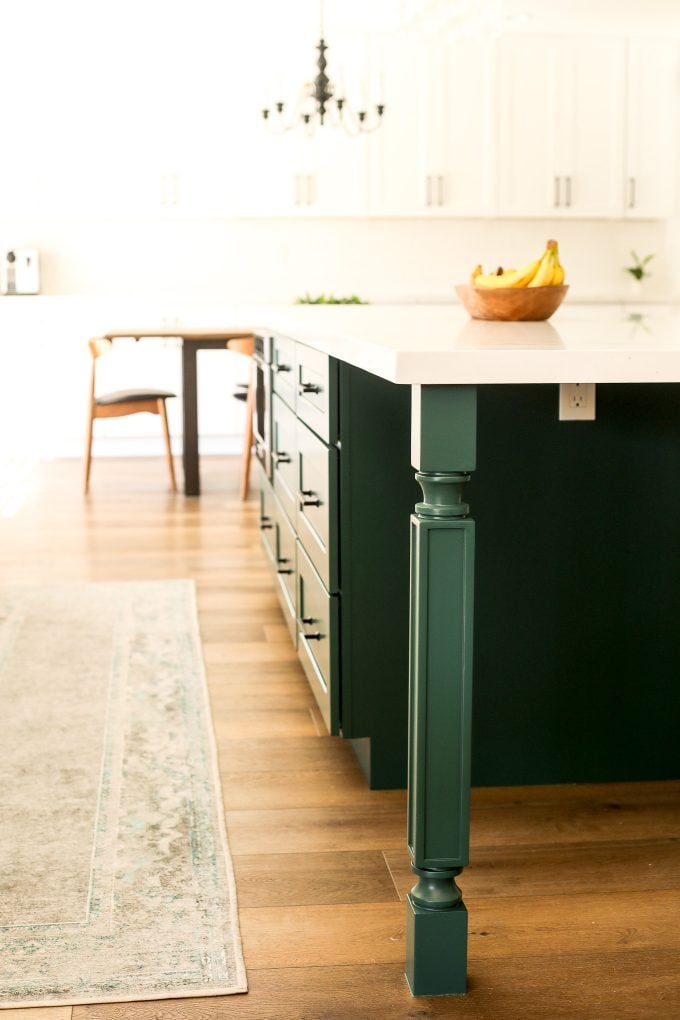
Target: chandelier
{"x": 322, "y": 102}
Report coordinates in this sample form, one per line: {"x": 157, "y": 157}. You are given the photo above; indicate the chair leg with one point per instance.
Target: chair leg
{"x": 88, "y": 451}
{"x": 248, "y": 439}
{"x": 163, "y": 412}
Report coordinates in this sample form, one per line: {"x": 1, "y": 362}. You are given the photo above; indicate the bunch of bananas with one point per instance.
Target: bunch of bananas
{"x": 544, "y": 271}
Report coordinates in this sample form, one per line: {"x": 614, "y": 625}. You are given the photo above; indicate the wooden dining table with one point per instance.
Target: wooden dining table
{"x": 193, "y": 340}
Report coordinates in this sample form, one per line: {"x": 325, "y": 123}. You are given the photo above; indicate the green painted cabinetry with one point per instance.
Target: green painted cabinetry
{"x": 576, "y": 647}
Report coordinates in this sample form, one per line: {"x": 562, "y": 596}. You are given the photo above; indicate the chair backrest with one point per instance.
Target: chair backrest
{"x": 98, "y": 346}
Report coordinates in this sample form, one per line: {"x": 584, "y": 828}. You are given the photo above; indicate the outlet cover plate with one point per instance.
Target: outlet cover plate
{"x": 577, "y": 402}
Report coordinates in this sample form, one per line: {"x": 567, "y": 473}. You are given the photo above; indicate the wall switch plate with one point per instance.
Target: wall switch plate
{"x": 577, "y": 401}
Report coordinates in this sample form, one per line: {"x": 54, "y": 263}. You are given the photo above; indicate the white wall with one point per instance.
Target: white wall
{"x": 275, "y": 261}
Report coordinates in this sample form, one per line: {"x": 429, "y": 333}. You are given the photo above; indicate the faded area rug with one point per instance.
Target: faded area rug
{"x": 115, "y": 877}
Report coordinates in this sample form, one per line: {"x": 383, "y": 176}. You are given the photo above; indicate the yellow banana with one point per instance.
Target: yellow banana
{"x": 558, "y": 275}
{"x": 546, "y": 270}
{"x": 477, "y": 271}
{"x": 510, "y": 278}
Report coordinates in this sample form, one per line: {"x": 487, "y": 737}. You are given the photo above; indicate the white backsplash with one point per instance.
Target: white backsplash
{"x": 274, "y": 261}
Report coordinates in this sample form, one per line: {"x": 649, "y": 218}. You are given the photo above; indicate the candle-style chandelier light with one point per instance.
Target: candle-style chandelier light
{"x": 321, "y": 102}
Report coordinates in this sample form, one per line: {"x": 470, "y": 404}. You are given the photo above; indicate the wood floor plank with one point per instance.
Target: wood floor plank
{"x": 321, "y": 935}
{"x": 288, "y": 753}
{"x": 373, "y": 827}
{"x": 253, "y": 723}
{"x": 552, "y": 870}
{"x": 270, "y": 880}
{"x": 288, "y": 789}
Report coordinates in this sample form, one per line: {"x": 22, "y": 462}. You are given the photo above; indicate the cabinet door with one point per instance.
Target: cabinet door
{"x": 463, "y": 186}
{"x": 396, "y": 166}
{"x": 527, "y": 127}
{"x": 651, "y": 136}
{"x": 560, "y": 126}
{"x": 589, "y": 135}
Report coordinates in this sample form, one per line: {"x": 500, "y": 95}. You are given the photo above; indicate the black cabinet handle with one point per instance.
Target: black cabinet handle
{"x": 282, "y": 368}
{"x": 265, "y": 523}
{"x": 308, "y": 387}
{"x": 309, "y": 620}
{"x": 281, "y": 458}
{"x": 304, "y": 501}
{"x": 311, "y": 637}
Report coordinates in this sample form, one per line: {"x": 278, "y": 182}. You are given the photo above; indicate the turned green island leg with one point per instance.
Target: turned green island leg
{"x": 442, "y": 563}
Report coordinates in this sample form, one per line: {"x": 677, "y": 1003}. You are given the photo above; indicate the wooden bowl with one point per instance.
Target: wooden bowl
{"x": 511, "y": 304}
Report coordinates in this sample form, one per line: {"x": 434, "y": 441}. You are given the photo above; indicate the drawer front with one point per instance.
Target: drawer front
{"x": 286, "y": 564}
{"x": 283, "y": 369}
{"x": 317, "y": 508}
{"x": 284, "y": 456}
{"x": 316, "y": 401}
{"x": 268, "y": 518}
{"x": 319, "y": 639}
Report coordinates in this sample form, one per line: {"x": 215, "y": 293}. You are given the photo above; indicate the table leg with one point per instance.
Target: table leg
{"x": 442, "y": 561}
{"x": 192, "y": 483}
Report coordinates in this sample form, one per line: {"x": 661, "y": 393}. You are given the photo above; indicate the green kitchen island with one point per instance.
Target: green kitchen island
{"x": 574, "y": 586}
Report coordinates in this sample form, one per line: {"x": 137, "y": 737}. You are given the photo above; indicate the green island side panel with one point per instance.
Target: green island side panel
{"x": 576, "y": 674}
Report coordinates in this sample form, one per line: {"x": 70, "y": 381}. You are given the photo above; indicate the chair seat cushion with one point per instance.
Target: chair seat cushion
{"x": 132, "y": 396}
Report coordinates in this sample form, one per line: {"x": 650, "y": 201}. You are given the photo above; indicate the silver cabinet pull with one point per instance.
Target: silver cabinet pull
{"x": 631, "y": 193}
{"x": 307, "y": 497}
{"x": 556, "y": 194}
{"x": 567, "y": 189}
{"x": 440, "y": 190}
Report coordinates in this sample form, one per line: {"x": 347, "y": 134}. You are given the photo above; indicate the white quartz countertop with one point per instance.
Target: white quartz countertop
{"x": 410, "y": 343}
{"x": 437, "y": 344}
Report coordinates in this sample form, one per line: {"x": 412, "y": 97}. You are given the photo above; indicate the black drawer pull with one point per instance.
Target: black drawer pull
{"x": 281, "y": 458}
{"x": 308, "y": 502}
{"x": 281, "y": 571}
{"x": 308, "y": 621}
{"x": 265, "y": 523}
{"x": 308, "y": 387}
{"x": 282, "y": 368}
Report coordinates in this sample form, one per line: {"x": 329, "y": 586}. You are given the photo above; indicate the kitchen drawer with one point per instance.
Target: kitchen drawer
{"x": 284, "y": 456}
{"x": 316, "y": 377}
{"x": 319, "y": 639}
{"x": 286, "y": 568}
{"x": 283, "y": 369}
{"x": 317, "y": 508}
{"x": 268, "y": 518}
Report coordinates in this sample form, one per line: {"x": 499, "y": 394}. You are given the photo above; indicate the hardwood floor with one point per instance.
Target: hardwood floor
{"x": 573, "y": 893}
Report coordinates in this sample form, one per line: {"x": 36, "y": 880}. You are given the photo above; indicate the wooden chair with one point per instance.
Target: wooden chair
{"x": 123, "y": 402}
{"x": 246, "y": 393}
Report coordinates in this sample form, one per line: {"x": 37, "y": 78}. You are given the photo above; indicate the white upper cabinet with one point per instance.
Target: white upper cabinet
{"x": 560, "y": 126}
{"x": 652, "y": 127}
{"x": 432, "y": 156}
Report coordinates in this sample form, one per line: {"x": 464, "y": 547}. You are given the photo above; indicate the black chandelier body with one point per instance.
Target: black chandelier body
{"x": 329, "y": 107}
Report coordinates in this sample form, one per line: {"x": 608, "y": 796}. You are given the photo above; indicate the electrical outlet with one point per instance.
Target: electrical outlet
{"x": 577, "y": 401}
